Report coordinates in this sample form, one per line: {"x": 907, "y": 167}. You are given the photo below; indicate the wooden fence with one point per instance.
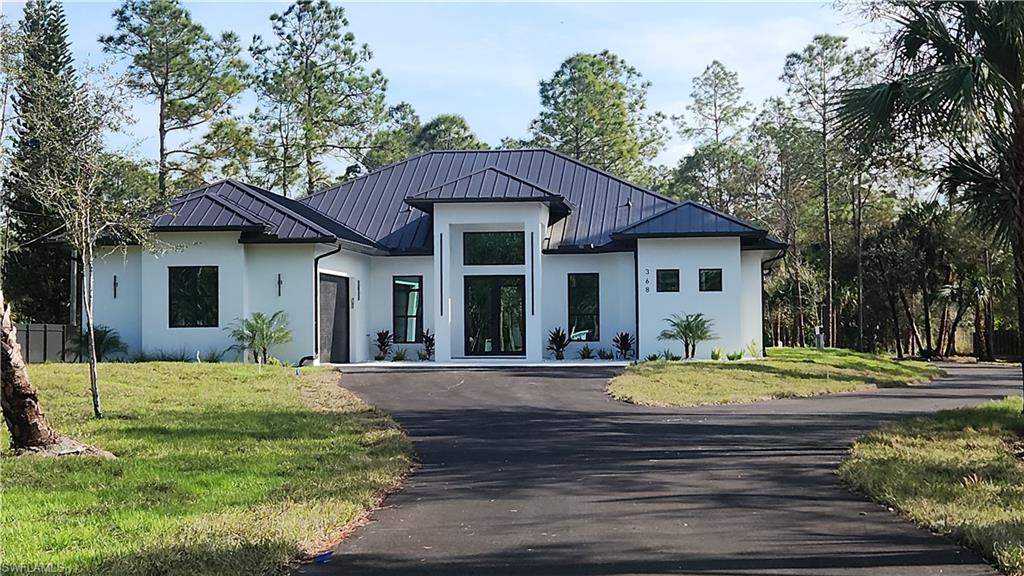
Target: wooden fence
{"x": 46, "y": 342}
{"x": 1005, "y": 344}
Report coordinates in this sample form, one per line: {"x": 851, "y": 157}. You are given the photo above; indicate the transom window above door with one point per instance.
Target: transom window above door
{"x": 493, "y": 248}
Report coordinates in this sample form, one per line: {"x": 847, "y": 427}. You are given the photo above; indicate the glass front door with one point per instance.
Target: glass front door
{"x": 495, "y": 315}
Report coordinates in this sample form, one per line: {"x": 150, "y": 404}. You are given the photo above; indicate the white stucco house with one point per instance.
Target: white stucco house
{"x": 487, "y": 250}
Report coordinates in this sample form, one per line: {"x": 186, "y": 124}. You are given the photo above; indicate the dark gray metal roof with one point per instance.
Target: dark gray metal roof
{"x": 262, "y": 215}
{"x": 374, "y": 205}
{"x": 490, "y": 185}
{"x": 689, "y": 219}
{"x": 206, "y": 212}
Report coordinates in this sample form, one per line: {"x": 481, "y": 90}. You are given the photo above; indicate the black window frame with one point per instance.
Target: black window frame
{"x": 658, "y": 280}
{"x": 596, "y": 336}
{"x": 521, "y": 254}
{"x": 395, "y": 317}
{"x": 700, "y": 280}
{"x": 192, "y": 299}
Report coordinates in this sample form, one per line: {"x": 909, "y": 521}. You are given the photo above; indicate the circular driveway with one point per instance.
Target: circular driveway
{"x": 536, "y": 471}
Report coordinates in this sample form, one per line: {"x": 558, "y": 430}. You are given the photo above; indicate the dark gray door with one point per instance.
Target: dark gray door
{"x": 334, "y": 307}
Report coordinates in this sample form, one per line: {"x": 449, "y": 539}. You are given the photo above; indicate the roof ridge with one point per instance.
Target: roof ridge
{"x": 495, "y": 168}
{"x": 199, "y": 193}
{"x": 371, "y": 173}
{"x": 276, "y": 198}
{"x": 697, "y": 205}
{"x": 618, "y": 179}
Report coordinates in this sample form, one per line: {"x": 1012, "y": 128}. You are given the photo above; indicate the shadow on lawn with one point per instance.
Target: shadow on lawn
{"x": 200, "y": 559}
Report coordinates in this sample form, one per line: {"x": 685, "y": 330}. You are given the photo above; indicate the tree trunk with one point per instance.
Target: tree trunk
{"x": 895, "y": 322}
{"x": 161, "y": 176}
{"x": 826, "y": 191}
{"x": 87, "y": 296}
{"x": 24, "y": 417}
{"x": 961, "y": 309}
{"x": 1017, "y": 182}
{"x": 915, "y": 337}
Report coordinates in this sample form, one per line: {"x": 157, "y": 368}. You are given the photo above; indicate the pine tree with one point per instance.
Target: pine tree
{"x": 36, "y": 271}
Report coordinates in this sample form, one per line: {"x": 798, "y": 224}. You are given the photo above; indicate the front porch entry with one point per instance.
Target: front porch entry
{"x": 495, "y": 315}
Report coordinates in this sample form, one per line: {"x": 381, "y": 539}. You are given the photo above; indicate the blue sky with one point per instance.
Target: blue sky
{"x": 484, "y": 60}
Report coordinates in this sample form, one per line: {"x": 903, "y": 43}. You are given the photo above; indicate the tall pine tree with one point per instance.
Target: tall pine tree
{"x": 36, "y": 271}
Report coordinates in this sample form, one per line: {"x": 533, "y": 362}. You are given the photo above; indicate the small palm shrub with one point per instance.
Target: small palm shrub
{"x": 429, "y": 345}
{"x": 558, "y": 341}
{"x": 689, "y": 330}
{"x": 734, "y": 355}
{"x": 257, "y": 333}
{"x": 605, "y": 354}
{"x": 653, "y": 357}
{"x": 108, "y": 343}
{"x": 753, "y": 351}
{"x": 716, "y": 354}
{"x": 670, "y": 356}
{"x": 384, "y": 343}
{"x": 586, "y": 353}
{"x": 624, "y": 343}
{"x": 400, "y": 355}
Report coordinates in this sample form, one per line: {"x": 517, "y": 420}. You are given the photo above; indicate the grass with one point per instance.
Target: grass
{"x": 958, "y": 472}
{"x": 221, "y": 470}
{"x": 785, "y": 373}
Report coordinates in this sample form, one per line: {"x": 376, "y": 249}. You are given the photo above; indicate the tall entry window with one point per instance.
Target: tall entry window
{"x": 192, "y": 296}
{"x": 493, "y": 248}
{"x": 408, "y": 303}
{"x": 495, "y": 315}
{"x": 584, "y": 307}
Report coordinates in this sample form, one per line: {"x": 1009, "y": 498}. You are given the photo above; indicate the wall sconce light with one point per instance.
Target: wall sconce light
{"x": 279, "y": 284}
{"x": 115, "y": 286}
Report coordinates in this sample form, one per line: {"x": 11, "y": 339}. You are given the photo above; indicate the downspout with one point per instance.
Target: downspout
{"x": 636, "y": 299}
{"x": 764, "y": 348}
{"x": 316, "y": 301}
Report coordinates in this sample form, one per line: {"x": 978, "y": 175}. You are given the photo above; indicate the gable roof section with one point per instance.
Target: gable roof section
{"x": 261, "y": 215}
{"x": 490, "y": 184}
{"x": 374, "y": 204}
{"x": 690, "y": 219}
{"x": 206, "y": 212}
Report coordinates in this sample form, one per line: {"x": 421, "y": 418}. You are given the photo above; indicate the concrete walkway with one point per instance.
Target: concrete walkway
{"x": 536, "y": 471}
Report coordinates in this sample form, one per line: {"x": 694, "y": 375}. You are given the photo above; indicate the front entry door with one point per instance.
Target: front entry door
{"x": 495, "y": 314}
{"x": 334, "y": 307}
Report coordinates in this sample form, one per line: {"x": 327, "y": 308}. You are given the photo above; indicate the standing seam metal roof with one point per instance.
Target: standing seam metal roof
{"x": 375, "y": 206}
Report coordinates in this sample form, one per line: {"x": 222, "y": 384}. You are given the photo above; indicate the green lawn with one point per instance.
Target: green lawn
{"x": 955, "y": 472}
{"x": 221, "y": 470}
{"x": 786, "y": 372}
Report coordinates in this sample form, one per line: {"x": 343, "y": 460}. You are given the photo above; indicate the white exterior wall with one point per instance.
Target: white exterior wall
{"x": 751, "y": 312}
{"x": 688, "y": 255}
{"x": 293, "y": 262}
{"x": 355, "y": 267}
{"x": 123, "y": 313}
{"x": 219, "y": 249}
{"x": 450, "y": 221}
{"x": 383, "y": 269}
{"x": 617, "y": 293}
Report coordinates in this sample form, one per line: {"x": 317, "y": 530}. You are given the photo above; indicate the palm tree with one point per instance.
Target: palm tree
{"x": 677, "y": 330}
{"x": 957, "y": 80}
{"x": 259, "y": 332}
{"x": 690, "y": 330}
{"x": 108, "y": 343}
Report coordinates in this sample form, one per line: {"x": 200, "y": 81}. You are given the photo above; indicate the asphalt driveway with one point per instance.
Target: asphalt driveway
{"x": 537, "y": 472}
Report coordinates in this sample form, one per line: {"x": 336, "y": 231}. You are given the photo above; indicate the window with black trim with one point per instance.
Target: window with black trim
{"x": 710, "y": 279}
{"x": 584, "y": 307}
{"x": 407, "y": 294}
{"x": 493, "y": 248}
{"x": 192, "y": 296}
{"x": 668, "y": 280}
